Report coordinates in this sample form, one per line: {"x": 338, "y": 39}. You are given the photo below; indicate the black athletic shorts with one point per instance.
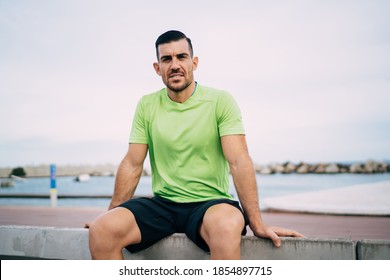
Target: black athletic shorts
{"x": 158, "y": 218}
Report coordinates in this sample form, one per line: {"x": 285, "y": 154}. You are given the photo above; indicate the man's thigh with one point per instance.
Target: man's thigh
{"x": 154, "y": 221}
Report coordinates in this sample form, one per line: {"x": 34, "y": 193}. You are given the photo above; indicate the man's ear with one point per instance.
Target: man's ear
{"x": 156, "y": 67}
{"x": 195, "y": 62}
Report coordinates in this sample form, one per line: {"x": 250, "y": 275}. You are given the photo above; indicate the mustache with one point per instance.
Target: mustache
{"x": 175, "y": 71}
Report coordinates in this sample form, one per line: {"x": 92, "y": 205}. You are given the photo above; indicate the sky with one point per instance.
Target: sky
{"x": 312, "y": 78}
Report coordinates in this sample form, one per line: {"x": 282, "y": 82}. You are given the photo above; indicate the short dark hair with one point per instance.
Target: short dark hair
{"x": 172, "y": 36}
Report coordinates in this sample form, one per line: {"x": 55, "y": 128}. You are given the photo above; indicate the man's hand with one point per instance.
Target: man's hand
{"x": 244, "y": 178}
{"x": 274, "y": 233}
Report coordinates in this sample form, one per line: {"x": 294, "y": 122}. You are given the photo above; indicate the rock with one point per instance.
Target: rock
{"x": 312, "y": 168}
{"x": 321, "y": 168}
{"x": 289, "y": 167}
{"x": 370, "y": 166}
{"x": 332, "y": 168}
{"x": 257, "y": 168}
{"x": 144, "y": 173}
{"x": 343, "y": 169}
{"x": 356, "y": 168}
{"x": 266, "y": 171}
{"x": 383, "y": 167}
{"x": 303, "y": 168}
{"x": 277, "y": 168}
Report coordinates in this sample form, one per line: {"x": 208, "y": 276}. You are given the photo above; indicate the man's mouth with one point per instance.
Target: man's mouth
{"x": 175, "y": 75}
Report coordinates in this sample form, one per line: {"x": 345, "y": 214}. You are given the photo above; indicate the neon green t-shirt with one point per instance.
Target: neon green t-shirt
{"x": 184, "y": 143}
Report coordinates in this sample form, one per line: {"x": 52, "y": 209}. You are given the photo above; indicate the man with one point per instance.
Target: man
{"x": 194, "y": 136}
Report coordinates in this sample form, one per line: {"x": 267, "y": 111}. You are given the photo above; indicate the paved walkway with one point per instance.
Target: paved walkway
{"x": 311, "y": 225}
{"x": 357, "y": 212}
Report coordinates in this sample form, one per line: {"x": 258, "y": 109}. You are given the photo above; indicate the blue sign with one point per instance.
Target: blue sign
{"x": 53, "y": 180}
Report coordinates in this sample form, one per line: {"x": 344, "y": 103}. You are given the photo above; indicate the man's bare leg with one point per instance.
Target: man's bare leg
{"x": 221, "y": 229}
{"x": 111, "y": 232}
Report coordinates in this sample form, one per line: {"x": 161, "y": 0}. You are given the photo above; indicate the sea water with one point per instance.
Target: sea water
{"x": 268, "y": 185}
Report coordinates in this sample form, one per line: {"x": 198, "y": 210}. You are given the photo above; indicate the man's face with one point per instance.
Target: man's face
{"x": 175, "y": 65}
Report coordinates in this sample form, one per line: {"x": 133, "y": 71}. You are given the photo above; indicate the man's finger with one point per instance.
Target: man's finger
{"x": 286, "y": 232}
{"x": 275, "y": 238}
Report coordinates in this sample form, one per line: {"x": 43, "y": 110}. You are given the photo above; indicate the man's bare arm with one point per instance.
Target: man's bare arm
{"x": 244, "y": 178}
{"x": 128, "y": 174}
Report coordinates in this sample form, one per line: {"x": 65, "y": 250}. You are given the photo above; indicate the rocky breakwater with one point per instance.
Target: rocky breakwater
{"x": 368, "y": 167}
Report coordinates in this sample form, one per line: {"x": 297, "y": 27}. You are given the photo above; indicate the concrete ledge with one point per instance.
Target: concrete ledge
{"x": 44, "y": 242}
{"x": 373, "y": 250}
{"x": 179, "y": 247}
{"x": 21, "y": 242}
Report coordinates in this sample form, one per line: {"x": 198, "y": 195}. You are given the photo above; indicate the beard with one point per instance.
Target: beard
{"x": 178, "y": 87}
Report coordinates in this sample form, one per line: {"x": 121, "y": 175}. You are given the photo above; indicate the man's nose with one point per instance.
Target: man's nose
{"x": 175, "y": 64}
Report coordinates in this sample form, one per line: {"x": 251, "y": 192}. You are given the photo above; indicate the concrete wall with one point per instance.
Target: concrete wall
{"x": 373, "y": 250}
{"x": 71, "y": 243}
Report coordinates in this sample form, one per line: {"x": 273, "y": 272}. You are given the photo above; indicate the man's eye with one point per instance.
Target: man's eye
{"x": 165, "y": 59}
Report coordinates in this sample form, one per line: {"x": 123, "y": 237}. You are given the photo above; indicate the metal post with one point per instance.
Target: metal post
{"x": 53, "y": 187}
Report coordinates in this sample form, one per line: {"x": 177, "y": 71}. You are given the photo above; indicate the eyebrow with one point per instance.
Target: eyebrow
{"x": 179, "y": 55}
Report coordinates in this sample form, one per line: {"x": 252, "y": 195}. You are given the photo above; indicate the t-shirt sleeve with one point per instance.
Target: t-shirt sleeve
{"x": 138, "y": 133}
{"x": 229, "y": 116}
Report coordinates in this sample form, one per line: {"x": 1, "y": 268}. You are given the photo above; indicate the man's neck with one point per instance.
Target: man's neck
{"x": 182, "y": 96}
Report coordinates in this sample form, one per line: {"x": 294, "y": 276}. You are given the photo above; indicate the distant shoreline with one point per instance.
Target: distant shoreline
{"x": 37, "y": 171}
{"x": 367, "y": 167}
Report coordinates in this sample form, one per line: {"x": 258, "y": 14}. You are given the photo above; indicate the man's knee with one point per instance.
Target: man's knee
{"x": 221, "y": 229}
{"x": 118, "y": 226}
{"x": 97, "y": 229}
{"x": 223, "y": 220}
{"x": 100, "y": 233}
